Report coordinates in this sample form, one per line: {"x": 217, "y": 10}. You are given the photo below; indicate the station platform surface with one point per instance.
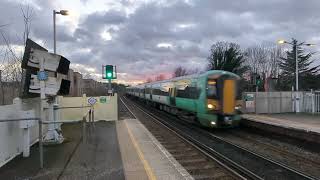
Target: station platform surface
{"x": 306, "y": 122}
{"x": 302, "y": 126}
{"x": 109, "y": 150}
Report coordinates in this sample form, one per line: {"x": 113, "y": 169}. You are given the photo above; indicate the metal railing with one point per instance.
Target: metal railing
{"x": 311, "y": 102}
{"x": 89, "y": 115}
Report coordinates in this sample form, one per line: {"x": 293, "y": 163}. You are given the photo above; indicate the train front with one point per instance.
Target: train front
{"x": 223, "y": 100}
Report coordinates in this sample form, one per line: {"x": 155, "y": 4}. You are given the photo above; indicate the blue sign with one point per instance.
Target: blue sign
{"x": 42, "y": 75}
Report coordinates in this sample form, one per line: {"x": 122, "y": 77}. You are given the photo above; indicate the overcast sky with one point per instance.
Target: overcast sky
{"x": 145, "y": 38}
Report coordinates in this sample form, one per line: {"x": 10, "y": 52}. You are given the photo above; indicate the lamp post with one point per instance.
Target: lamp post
{"x": 64, "y": 13}
{"x": 295, "y": 47}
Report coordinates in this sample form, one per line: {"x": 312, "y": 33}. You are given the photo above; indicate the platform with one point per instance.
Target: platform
{"x": 302, "y": 126}
{"x": 110, "y": 150}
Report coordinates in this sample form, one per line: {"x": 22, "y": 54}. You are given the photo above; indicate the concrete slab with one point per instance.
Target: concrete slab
{"x": 55, "y": 158}
{"x": 297, "y": 121}
{"x": 110, "y": 150}
{"x": 98, "y": 156}
{"x": 150, "y": 159}
{"x": 305, "y": 127}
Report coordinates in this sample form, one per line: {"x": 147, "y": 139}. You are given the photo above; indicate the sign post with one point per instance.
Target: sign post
{"x": 38, "y": 61}
{"x": 42, "y": 115}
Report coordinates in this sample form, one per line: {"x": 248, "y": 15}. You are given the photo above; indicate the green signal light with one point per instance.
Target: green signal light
{"x": 109, "y": 75}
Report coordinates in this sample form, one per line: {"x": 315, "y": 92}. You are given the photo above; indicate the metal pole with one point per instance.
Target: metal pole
{"x": 297, "y": 70}
{"x": 2, "y": 91}
{"x": 297, "y": 76}
{"x": 109, "y": 87}
{"x": 42, "y": 98}
{"x": 54, "y": 31}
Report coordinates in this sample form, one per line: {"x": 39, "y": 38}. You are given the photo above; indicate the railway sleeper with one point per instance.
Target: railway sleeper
{"x": 209, "y": 169}
{"x": 172, "y": 145}
{"x": 193, "y": 160}
{"x": 198, "y": 163}
{"x": 190, "y": 154}
{"x": 180, "y": 150}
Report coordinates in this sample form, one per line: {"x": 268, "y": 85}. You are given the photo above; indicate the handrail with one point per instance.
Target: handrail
{"x": 69, "y": 107}
{"x": 19, "y": 119}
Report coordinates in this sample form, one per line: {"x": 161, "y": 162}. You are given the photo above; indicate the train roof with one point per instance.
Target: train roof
{"x": 207, "y": 73}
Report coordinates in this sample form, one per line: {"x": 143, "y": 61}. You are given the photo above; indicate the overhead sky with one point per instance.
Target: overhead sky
{"x": 151, "y": 37}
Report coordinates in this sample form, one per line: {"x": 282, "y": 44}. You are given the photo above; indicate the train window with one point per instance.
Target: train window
{"x": 185, "y": 89}
{"x": 164, "y": 87}
{"x": 148, "y": 90}
{"x": 212, "y": 89}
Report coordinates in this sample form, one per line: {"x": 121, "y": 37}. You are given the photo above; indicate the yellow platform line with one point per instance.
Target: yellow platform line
{"x": 145, "y": 163}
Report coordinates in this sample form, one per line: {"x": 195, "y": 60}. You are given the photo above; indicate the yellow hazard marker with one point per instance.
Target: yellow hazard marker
{"x": 145, "y": 163}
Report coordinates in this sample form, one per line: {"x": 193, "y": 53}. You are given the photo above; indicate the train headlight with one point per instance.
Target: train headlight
{"x": 210, "y": 106}
{"x": 237, "y": 107}
{"x": 213, "y": 123}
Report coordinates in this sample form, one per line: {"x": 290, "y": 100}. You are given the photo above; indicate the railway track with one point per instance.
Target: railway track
{"x": 247, "y": 163}
{"x": 308, "y": 165}
{"x": 201, "y": 165}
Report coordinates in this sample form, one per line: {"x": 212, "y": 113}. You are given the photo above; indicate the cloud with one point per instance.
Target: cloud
{"x": 152, "y": 37}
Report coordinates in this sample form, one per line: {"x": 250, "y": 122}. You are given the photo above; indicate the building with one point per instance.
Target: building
{"x": 75, "y": 79}
{"x": 91, "y": 87}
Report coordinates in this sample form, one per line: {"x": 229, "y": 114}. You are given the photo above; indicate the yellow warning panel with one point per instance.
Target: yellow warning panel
{"x": 229, "y": 96}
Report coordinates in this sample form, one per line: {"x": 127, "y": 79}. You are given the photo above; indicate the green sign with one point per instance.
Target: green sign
{"x": 249, "y": 97}
{"x": 103, "y": 100}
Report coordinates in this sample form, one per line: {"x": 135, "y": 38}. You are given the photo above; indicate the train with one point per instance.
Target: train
{"x": 212, "y": 98}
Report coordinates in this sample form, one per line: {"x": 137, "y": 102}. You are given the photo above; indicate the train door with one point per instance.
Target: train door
{"x": 172, "y": 96}
{"x": 227, "y": 93}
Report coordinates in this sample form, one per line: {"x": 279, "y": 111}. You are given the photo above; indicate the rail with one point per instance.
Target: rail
{"x": 227, "y": 146}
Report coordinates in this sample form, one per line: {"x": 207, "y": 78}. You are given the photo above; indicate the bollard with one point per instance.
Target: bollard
{"x": 84, "y": 129}
{"x": 40, "y": 143}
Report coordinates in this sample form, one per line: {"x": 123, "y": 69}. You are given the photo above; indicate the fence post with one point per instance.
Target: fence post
{"x": 280, "y": 101}
{"x": 84, "y": 129}
{"x": 268, "y": 101}
{"x": 26, "y": 130}
{"x": 255, "y": 102}
{"x": 293, "y": 100}
{"x": 92, "y": 114}
{"x": 313, "y": 101}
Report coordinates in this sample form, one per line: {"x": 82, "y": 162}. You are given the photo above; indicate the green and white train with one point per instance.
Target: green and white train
{"x": 212, "y": 98}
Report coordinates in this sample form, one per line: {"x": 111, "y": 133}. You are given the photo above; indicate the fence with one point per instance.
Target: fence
{"x": 281, "y": 102}
{"x": 20, "y": 127}
{"x": 311, "y": 102}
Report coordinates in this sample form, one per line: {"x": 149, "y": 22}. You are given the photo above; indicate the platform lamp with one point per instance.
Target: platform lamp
{"x": 63, "y": 13}
{"x": 295, "y": 47}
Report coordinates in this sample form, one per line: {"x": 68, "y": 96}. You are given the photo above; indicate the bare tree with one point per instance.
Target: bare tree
{"x": 179, "y": 71}
{"x": 160, "y": 77}
{"x": 11, "y": 59}
{"x": 263, "y": 60}
{"x": 149, "y": 80}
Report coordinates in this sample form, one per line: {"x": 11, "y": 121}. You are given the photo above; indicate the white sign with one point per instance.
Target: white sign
{"x": 52, "y": 62}
{"x": 52, "y": 85}
{"x": 249, "y": 98}
{"x": 92, "y": 100}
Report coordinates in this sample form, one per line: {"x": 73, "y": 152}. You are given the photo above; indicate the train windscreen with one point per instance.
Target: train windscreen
{"x": 212, "y": 89}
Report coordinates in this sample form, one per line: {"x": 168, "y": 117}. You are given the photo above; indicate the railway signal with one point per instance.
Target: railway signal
{"x": 258, "y": 80}
{"x": 35, "y": 56}
{"x": 109, "y": 72}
